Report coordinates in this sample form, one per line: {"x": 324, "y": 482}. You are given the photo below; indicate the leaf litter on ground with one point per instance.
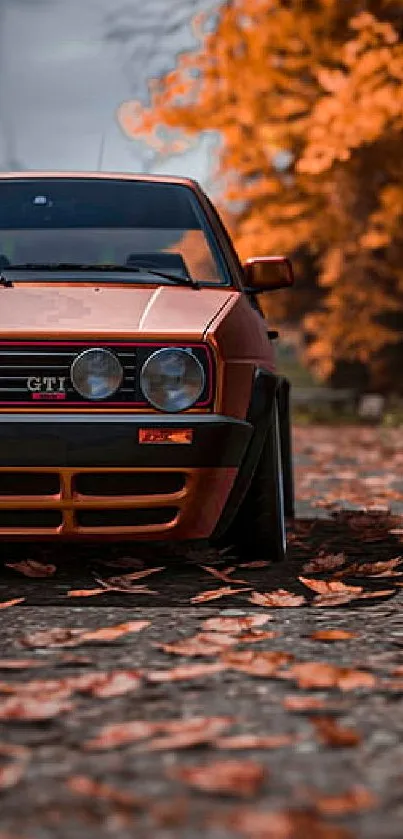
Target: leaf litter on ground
{"x": 243, "y": 778}
{"x": 175, "y": 734}
{"x": 277, "y": 599}
{"x": 67, "y": 637}
{"x": 32, "y": 568}
{"x": 216, "y": 594}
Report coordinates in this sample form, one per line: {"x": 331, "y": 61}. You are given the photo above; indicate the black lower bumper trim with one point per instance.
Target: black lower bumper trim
{"x": 112, "y": 440}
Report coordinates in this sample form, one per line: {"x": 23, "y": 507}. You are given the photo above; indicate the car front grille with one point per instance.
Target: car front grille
{"x": 19, "y": 363}
{"x": 23, "y": 361}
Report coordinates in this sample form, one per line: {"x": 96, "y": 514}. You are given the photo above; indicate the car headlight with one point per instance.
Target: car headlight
{"x": 96, "y": 374}
{"x": 172, "y": 379}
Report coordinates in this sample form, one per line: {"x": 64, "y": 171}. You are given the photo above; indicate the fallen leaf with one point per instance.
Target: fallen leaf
{"x": 228, "y": 777}
{"x": 32, "y": 568}
{"x": 119, "y": 734}
{"x": 260, "y": 663}
{"x": 332, "y": 635}
{"x": 185, "y": 672}
{"x": 126, "y": 582}
{"x": 205, "y": 643}
{"x": 383, "y": 568}
{"x": 324, "y": 562}
{"x": 332, "y": 734}
{"x": 56, "y": 637}
{"x": 370, "y": 595}
{"x": 7, "y": 603}
{"x": 357, "y": 799}
{"x": 215, "y": 594}
{"x": 255, "y": 635}
{"x": 31, "y": 709}
{"x": 185, "y": 733}
{"x": 331, "y": 587}
{"x": 223, "y": 575}
{"x": 350, "y": 679}
{"x": 82, "y": 785}
{"x": 329, "y": 600}
{"x": 234, "y": 625}
{"x": 105, "y": 685}
{"x": 111, "y": 633}
{"x": 311, "y": 674}
{"x": 85, "y": 592}
{"x": 256, "y": 741}
{"x": 277, "y": 599}
{"x": 60, "y": 637}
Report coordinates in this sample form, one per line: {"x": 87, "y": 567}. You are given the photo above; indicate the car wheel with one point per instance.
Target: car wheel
{"x": 259, "y": 530}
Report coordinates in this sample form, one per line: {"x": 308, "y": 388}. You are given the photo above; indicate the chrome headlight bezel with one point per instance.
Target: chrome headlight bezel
{"x": 196, "y": 386}
{"x": 88, "y": 357}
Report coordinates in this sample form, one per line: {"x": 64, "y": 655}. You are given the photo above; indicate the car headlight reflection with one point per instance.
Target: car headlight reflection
{"x": 172, "y": 379}
{"x": 96, "y": 374}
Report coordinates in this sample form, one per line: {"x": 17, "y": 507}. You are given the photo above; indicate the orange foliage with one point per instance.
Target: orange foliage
{"x": 307, "y": 96}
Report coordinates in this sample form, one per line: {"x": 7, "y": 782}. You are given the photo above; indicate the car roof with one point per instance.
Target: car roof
{"x": 122, "y": 176}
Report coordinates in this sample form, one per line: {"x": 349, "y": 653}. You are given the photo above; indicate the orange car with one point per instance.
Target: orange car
{"x": 138, "y": 392}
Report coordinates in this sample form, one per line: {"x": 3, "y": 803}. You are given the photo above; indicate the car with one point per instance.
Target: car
{"x": 139, "y": 398}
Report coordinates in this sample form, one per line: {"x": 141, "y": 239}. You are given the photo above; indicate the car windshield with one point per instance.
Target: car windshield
{"x": 107, "y": 222}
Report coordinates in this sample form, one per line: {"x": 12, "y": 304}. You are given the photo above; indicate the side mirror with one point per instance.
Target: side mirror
{"x": 268, "y": 273}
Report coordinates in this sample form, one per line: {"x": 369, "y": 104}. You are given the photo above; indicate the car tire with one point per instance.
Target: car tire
{"x": 259, "y": 530}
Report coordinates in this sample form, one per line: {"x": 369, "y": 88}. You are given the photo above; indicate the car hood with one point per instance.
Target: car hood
{"x": 72, "y": 310}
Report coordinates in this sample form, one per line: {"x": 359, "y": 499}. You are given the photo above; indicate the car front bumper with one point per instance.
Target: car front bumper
{"x": 88, "y": 475}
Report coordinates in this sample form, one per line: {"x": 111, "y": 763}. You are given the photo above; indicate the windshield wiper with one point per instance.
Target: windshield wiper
{"x": 5, "y": 281}
{"x": 178, "y": 279}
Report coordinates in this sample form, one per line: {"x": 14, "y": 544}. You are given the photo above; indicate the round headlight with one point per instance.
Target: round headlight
{"x": 96, "y": 374}
{"x": 172, "y": 379}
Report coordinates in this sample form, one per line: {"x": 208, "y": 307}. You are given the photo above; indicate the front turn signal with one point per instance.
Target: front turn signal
{"x": 166, "y": 435}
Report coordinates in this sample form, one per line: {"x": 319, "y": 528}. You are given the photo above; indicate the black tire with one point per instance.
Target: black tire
{"x": 258, "y": 531}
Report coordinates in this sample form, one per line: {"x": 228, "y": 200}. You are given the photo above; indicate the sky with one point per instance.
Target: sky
{"x": 61, "y": 80}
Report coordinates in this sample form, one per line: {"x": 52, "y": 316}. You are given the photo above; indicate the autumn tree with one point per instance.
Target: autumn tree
{"x": 307, "y": 97}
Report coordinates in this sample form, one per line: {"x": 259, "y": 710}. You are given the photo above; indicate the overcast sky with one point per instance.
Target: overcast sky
{"x": 61, "y": 80}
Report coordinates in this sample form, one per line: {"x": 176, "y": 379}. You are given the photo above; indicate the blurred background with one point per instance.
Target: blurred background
{"x": 290, "y": 114}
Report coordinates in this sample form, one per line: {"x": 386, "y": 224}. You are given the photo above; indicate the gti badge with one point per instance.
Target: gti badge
{"x": 47, "y": 387}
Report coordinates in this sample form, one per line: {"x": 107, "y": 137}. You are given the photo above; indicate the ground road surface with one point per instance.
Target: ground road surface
{"x": 144, "y": 707}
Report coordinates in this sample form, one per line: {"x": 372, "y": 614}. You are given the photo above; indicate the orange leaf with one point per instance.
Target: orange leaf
{"x": 229, "y": 777}
{"x": 332, "y": 635}
{"x": 330, "y": 587}
{"x": 31, "y": 708}
{"x": 256, "y": 741}
{"x": 277, "y": 599}
{"x": 223, "y": 575}
{"x": 332, "y": 734}
{"x": 205, "y": 643}
{"x": 215, "y": 594}
{"x": 32, "y": 568}
{"x": 234, "y": 625}
{"x": 257, "y": 663}
{"x": 185, "y": 733}
{"x": 7, "y": 603}
{"x": 185, "y": 672}
{"x": 356, "y": 800}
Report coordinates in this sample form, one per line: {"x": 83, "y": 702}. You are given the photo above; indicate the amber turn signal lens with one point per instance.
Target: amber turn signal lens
{"x": 165, "y": 435}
